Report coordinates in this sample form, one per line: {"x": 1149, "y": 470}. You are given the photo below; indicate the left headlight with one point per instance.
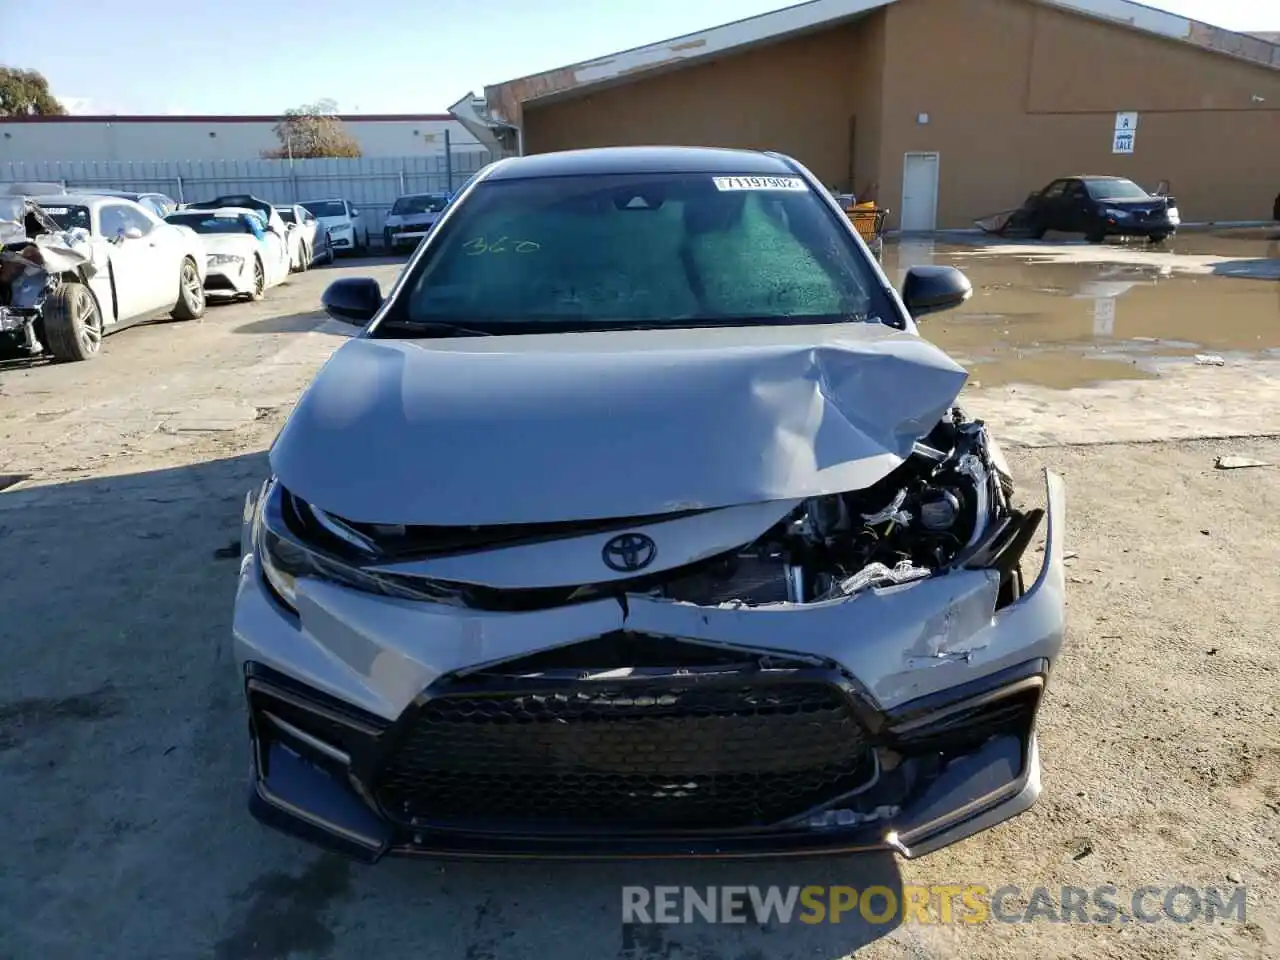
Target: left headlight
{"x": 281, "y": 530}
{"x": 1116, "y": 214}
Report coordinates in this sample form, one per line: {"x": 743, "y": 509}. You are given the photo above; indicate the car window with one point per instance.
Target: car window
{"x": 643, "y": 249}
{"x": 1076, "y": 191}
{"x": 1055, "y": 189}
{"x": 207, "y": 223}
{"x": 327, "y": 208}
{"x": 68, "y": 218}
{"x": 1117, "y": 189}
{"x": 133, "y": 217}
{"x": 114, "y": 219}
{"x": 426, "y": 203}
{"x": 154, "y": 205}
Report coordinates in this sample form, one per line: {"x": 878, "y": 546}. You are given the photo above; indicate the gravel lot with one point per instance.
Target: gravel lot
{"x": 123, "y": 757}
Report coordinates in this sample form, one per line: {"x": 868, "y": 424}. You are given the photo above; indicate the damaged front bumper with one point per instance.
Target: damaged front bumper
{"x": 901, "y": 718}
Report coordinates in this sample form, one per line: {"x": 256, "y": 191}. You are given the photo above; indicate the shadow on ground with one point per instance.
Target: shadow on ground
{"x": 122, "y": 729}
{"x": 307, "y": 322}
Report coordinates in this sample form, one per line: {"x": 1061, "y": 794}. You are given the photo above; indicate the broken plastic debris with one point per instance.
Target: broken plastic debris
{"x": 893, "y": 513}
{"x": 1210, "y": 360}
{"x": 1237, "y": 463}
{"x": 878, "y": 575}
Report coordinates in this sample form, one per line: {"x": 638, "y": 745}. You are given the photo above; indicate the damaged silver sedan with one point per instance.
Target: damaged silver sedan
{"x": 639, "y": 520}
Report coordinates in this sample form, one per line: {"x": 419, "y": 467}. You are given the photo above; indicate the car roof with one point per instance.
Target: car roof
{"x": 78, "y": 199}
{"x": 321, "y": 200}
{"x": 605, "y": 160}
{"x": 227, "y": 212}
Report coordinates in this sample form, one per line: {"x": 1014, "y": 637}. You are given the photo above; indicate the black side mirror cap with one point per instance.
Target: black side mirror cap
{"x": 930, "y": 289}
{"x": 352, "y": 300}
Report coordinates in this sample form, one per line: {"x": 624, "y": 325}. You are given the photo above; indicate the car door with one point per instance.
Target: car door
{"x": 277, "y": 260}
{"x": 135, "y": 259}
{"x": 358, "y": 232}
{"x": 1050, "y": 206}
{"x": 1077, "y": 207}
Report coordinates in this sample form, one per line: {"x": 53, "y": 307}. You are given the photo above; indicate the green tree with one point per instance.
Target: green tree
{"x": 25, "y": 93}
{"x": 313, "y": 130}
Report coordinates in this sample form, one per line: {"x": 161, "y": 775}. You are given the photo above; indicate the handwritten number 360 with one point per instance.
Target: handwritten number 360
{"x": 480, "y": 246}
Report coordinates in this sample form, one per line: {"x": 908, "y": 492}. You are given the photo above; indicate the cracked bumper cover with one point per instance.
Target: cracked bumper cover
{"x": 325, "y": 683}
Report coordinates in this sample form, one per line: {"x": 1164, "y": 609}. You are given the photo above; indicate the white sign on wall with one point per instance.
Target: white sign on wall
{"x": 1126, "y": 131}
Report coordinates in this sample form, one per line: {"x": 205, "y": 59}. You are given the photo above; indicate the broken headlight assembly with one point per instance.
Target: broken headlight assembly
{"x": 281, "y": 525}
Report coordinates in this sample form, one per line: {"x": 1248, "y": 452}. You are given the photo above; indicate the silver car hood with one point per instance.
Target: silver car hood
{"x": 536, "y": 429}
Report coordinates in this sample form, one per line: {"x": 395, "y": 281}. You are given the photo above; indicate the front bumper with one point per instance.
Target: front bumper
{"x": 407, "y": 238}
{"x": 228, "y": 280}
{"x": 936, "y": 680}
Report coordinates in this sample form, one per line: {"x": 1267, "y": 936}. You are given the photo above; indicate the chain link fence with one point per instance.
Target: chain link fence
{"x": 371, "y": 183}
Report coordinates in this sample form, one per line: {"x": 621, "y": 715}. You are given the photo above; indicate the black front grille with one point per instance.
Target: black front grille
{"x": 727, "y": 750}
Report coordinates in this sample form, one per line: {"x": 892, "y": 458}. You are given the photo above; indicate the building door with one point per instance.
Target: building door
{"x": 919, "y": 192}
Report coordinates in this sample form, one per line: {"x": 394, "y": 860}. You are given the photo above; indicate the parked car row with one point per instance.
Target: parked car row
{"x": 74, "y": 267}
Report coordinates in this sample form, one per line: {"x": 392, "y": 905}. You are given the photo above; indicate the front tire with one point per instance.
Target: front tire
{"x": 73, "y": 323}
{"x": 259, "y": 281}
{"x": 1158, "y": 237}
{"x": 191, "y": 300}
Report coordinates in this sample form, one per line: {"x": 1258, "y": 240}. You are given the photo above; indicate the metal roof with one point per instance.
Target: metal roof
{"x": 506, "y": 99}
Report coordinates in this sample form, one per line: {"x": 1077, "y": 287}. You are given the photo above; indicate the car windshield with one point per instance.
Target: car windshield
{"x": 326, "y": 208}
{"x": 1115, "y": 190}
{"x": 68, "y": 218}
{"x": 203, "y": 223}
{"x": 423, "y": 204}
{"x": 619, "y": 250}
{"x": 287, "y": 216}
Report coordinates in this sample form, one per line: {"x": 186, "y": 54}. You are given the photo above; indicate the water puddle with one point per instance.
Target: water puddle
{"x": 1064, "y": 324}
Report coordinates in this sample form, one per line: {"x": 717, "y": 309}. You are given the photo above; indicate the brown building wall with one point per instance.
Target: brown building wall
{"x": 1016, "y": 94}
{"x": 797, "y": 96}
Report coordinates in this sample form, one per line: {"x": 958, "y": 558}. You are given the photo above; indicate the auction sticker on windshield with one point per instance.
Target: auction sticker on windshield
{"x": 760, "y": 183}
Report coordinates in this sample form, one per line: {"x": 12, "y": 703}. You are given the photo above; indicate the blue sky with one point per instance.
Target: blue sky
{"x": 371, "y": 56}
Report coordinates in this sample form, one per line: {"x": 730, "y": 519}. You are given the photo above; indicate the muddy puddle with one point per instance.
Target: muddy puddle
{"x": 1063, "y": 324}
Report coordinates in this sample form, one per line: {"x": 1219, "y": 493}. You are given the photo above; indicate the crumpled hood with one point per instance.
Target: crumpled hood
{"x": 530, "y": 429}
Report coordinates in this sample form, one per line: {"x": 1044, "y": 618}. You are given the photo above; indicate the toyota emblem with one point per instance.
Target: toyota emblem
{"x": 629, "y": 552}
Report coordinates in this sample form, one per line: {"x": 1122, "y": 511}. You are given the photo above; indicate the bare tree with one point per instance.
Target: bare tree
{"x": 25, "y": 93}
{"x": 312, "y": 130}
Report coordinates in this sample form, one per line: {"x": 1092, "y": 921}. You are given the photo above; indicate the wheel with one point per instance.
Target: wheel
{"x": 329, "y": 256}
{"x": 190, "y": 305}
{"x": 304, "y": 259}
{"x": 259, "y": 281}
{"x": 73, "y": 323}
{"x": 386, "y": 241}
{"x": 1158, "y": 237}
{"x": 1038, "y": 230}
{"x": 1095, "y": 235}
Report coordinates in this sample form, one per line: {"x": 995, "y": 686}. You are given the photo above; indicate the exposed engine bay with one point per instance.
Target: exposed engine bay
{"x": 947, "y": 506}
{"x": 924, "y": 517}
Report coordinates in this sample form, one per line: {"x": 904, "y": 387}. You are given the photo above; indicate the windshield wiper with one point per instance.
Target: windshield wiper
{"x": 433, "y": 328}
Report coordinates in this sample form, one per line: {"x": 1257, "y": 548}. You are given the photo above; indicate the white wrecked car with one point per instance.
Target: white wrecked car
{"x": 76, "y": 267}
{"x": 639, "y": 519}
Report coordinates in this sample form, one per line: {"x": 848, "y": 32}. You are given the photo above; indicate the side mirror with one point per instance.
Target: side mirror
{"x": 131, "y": 233}
{"x": 352, "y": 300}
{"x": 355, "y": 212}
{"x": 930, "y": 289}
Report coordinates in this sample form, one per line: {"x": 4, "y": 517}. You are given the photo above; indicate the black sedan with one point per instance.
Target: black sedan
{"x": 1101, "y": 207}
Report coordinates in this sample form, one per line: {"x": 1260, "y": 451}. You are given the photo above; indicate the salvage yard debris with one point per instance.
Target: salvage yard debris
{"x": 1237, "y": 463}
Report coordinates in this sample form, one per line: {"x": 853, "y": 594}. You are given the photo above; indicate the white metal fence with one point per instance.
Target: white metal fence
{"x": 371, "y": 183}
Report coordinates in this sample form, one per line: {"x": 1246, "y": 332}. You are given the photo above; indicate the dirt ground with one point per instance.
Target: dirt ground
{"x": 123, "y": 753}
